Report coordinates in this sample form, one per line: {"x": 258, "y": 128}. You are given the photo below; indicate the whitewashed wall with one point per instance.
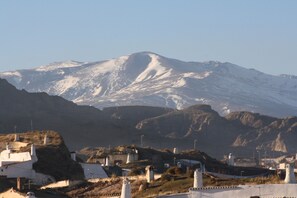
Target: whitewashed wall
{"x": 20, "y": 169}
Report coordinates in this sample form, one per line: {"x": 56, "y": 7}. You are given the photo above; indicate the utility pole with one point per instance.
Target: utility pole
{"x": 174, "y": 159}
{"x": 141, "y": 140}
{"x": 259, "y": 158}
{"x": 241, "y": 173}
{"x": 31, "y": 125}
{"x": 195, "y": 142}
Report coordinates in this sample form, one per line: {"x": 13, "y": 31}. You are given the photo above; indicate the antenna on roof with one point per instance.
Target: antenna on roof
{"x": 31, "y": 125}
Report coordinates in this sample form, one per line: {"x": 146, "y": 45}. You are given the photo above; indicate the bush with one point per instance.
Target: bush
{"x": 166, "y": 177}
{"x": 134, "y": 172}
{"x": 174, "y": 171}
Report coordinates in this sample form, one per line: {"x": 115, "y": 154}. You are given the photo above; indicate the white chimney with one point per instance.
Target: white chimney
{"x": 150, "y": 176}
{"x": 198, "y": 179}
{"x": 73, "y": 156}
{"x": 45, "y": 139}
{"x": 106, "y": 161}
{"x": 7, "y": 146}
{"x": 33, "y": 153}
{"x": 16, "y": 137}
{"x": 129, "y": 158}
{"x": 8, "y": 151}
{"x": 175, "y": 150}
{"x": 290, "y": 177}
{"x": 231, "y": 159}
{"x": 126, "y": 189}
{"x": 33, "y": 150}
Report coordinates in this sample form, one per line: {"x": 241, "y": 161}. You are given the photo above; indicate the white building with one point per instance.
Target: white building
{"x": 13, "y": 165}
{"x": 93, "y": 171}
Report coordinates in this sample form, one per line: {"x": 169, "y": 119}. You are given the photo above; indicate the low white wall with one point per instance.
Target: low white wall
{"x": 246, "y": 191}
{"x": 20, "y": 169}
{"x": 61, "y": 184}
{"x": 181, "y": 195}
{"x": 12, "y": 194}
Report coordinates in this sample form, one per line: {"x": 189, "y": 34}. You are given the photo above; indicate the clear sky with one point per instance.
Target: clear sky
{"x": 260, "y": 34}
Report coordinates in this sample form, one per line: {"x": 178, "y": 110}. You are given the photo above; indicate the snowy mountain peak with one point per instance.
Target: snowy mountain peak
{"x": 146, "y": 78}
{"x": 144, "y": 53}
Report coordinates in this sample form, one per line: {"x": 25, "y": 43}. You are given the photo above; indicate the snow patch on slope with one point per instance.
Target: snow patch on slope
{"x": 11, "y": 73}
{"x": 97, "y": 91}
{"x": 63, "y": 85}
{"x": 153, "y": 70}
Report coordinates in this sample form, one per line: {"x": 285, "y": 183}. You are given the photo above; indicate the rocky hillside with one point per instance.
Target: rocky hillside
{"x": 131, "y": 115}
{"x": 242, "y": 133}
{"x": 79, "y": 125}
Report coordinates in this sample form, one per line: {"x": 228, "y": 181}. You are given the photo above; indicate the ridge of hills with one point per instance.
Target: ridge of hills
{"x": 241, "y": 133}
{"x": 149, "y": 79}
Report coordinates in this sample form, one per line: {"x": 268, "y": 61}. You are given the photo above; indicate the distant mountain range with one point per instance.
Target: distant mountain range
{"x": 239, "y": 132}
{"x": 149, "y": 79}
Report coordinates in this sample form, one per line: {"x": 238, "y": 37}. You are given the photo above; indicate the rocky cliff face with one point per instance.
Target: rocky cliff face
{"x": 238, "y": 132}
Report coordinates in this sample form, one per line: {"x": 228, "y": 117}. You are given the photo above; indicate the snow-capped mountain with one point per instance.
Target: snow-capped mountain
{"x": 147, "y": 78}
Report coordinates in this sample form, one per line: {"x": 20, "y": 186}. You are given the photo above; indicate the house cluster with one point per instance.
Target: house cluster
{"x": 14, "y": 163}
{"x": 278, "y": 163}
{"x": 233, "y": 160}
{"x": 287, "y": 189}
{"x": 91, "y": 170}
{"x": 125, "y": 156}
{"x": 17, "y": 164}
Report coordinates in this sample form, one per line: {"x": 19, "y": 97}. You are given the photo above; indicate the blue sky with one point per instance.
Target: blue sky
{"x": 251, "y": 33}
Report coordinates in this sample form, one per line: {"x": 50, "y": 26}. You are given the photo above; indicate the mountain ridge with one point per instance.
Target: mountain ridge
{"x": 149, "y": 79}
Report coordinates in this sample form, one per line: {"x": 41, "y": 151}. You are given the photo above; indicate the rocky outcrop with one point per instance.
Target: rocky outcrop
{"x": 279, "y": 144}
